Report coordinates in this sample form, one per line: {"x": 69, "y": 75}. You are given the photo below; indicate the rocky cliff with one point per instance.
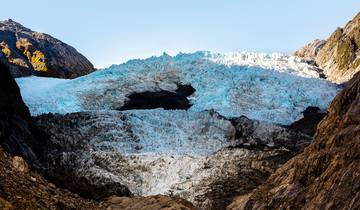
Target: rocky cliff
{"x": 27, "y": 52}
{"x": 326, "y": 175}
{"x": 338, "y": 56}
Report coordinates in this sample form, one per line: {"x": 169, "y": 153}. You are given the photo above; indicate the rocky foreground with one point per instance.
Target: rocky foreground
{"x": 22, "y": 188}
{"x": 27, "y": 52}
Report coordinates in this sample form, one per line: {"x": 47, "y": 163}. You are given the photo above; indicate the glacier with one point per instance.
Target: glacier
{"x": 187, "y": 153}
{"x": 268, "y": 87}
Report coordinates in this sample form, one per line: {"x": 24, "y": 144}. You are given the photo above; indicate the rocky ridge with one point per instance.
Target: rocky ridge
{"x": 27, "y": 52}
{"x": 338, "y": 56}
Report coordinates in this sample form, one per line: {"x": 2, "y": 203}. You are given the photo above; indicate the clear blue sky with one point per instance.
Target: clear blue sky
{"x": 113, "y": 31}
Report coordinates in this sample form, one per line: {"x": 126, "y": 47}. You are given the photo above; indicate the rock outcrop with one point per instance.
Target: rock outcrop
{"x": 326, "y": 175}
{"x": 338, "y": 56}
{"x": 27, "y": 52}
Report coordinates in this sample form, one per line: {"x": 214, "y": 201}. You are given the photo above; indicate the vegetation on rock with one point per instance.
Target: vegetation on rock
{"x": 338, "y": 56}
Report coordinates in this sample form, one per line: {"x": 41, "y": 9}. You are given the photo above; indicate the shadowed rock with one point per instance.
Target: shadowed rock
{"x": 307, "y": 124}
{"x": 18, "y": 134}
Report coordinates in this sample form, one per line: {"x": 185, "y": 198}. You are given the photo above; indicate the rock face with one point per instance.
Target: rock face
{"x": 338, "y": 56}
{"x": 326, "y": 175}
{"x": 27, "y": 52}
{"x": 18, "y": 134}
{"x": 154, "y": 152}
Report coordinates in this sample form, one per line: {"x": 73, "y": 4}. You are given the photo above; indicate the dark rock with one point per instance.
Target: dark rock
{"x": 32, "y": 53}
{"x": 307, "y": 124}
{"x": 18, "y": 134}
{"x": 160, "y": 99}
{"x": 26, "y": 189}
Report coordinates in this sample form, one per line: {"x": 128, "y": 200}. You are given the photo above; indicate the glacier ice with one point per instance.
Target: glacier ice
{"x": 269, "y": 87}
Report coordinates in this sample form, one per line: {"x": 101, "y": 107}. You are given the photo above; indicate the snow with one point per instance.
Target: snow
{"x": 268, "y": 87}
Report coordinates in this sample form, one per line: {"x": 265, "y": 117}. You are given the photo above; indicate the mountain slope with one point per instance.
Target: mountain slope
{"x": 338, "y": 56}
{"x": 27, "y": 52}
